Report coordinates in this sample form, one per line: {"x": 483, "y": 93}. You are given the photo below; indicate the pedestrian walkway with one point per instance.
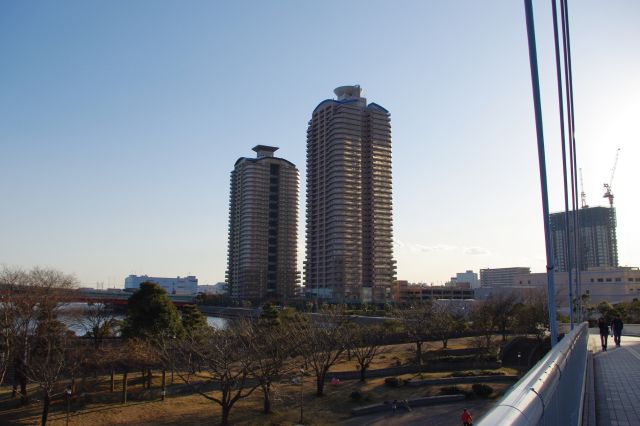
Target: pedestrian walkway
{"x": 617, "y": 381}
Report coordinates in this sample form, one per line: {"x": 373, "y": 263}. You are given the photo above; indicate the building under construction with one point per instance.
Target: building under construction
{"x": 597, "y": 243}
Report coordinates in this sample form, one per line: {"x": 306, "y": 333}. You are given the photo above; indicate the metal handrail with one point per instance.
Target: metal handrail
{"x": 551, "y": 393}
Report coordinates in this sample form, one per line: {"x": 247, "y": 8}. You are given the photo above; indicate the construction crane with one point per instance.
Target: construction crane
{"x": 607, "y": 186}
{"x": 583, "y": 196}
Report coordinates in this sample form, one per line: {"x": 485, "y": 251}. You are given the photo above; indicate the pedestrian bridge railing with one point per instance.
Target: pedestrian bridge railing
{"x": 552, "y": 392}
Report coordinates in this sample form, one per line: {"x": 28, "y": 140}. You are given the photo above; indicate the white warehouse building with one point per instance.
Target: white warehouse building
{"x": 178, "y": 285}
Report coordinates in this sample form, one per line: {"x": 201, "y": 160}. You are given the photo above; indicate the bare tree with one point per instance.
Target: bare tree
{"x": 365, "y": 343}
{"x": 447, "y": 321}
{"x": 270, "y": 345}
{"x": 30, "y": 298}
{"x": 75, "y": 362}
{"x": 48, "y": 358}
{"x": 98, "y": 320}
{"x": 16, "y": 319}
{"x": 417, "y": 321}
{"x": 227, "y": 364}
{"x": 532, "y": 315}
{"x": 484, "y": 323}
{"x": 7, "y": 337}
{"x": 502, "y": 307}
{"x": 321, "y": 342}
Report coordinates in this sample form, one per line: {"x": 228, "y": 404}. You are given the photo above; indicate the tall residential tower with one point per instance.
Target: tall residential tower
{"x": 597, "y": 236}
{"x": 263, "y": 228}
{"x": 349, "y": 247}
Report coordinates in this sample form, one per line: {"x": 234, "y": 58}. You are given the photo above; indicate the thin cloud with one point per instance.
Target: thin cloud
{"x": 440, "y": 248}
{"x": 431, "y": 249}
{"x": 398, "y": 243}
{"x": 476, "y": 251}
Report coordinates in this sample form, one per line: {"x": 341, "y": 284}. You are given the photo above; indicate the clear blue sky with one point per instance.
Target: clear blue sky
{"x": 120, "y": 122}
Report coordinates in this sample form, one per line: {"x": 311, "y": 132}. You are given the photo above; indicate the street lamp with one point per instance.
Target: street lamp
{"x": 301, "y": 394}
{"x": 68, "y": 394}
{"x": 519, "y": 356}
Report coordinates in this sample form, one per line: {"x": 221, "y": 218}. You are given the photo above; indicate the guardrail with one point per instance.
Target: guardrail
{"x": 628, "y": 330}
{"x": 552, "y": 392}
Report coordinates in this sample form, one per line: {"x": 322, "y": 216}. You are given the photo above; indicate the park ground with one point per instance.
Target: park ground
{"x": 145, "y": 407}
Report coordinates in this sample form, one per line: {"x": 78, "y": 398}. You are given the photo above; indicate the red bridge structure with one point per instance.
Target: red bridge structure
{"x": 119, "y": 297}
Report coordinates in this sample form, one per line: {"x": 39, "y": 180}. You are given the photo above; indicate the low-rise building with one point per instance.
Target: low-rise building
{"x": 178, "y": 285}
{"x": 493, "y": 277}
{"x": 468, "y": 277}
{"x": 405, "y": 292}
{"x": 613, "y": 285}
{"x": 217, "y": 288}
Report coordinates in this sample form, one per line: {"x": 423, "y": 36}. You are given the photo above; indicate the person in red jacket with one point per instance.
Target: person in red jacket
{"x": 466, "y": 418}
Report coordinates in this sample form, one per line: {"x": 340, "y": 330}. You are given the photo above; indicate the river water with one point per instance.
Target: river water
{"x": 79, "y": 330}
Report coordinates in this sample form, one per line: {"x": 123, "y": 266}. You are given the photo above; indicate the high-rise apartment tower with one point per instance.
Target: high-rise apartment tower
{"x": 597, "y": 236}
{"x": 263, "y": 228}
{"x": 349, "y": 247}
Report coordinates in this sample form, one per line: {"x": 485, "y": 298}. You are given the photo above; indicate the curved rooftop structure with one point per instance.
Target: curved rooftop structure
{"x": 265, "y": 150}
{"x": 347, "y": 92}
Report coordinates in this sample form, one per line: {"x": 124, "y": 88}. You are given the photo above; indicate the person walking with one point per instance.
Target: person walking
{"x": 394, "y": 406}
{"x": 616, "y": 329}
{"x": 466, "y": 418}
{"x": 604, "y": 332}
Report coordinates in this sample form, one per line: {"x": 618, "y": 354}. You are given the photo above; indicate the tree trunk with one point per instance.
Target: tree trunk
{"x": 19, "y": 378}
{"x": 363, "y": 370}
{"x": 124, "y": 386}
{"x": 320, "y": 385}
{"x": 419, "y": 352}
{"x": 113, "y": 380}
{"x": 24, "y": 397}
{"x": 149, "y": 378}
{"x": 445, "y": 341}
{"x": 164, "y": 383}
{"x": 225, "y": 415}
{"x": 45, "y": 407}
{"x": 73, "y": 384}
{"x": 266, "y": 390}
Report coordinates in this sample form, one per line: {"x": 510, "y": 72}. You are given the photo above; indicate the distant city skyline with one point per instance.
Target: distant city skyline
{"x": 119, "y": 123}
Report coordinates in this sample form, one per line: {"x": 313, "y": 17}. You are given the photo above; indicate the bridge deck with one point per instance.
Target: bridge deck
{"x": 617, "y": 381}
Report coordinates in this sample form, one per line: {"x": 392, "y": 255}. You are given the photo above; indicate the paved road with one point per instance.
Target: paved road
{"x": 617, "y": 381}
{"x": 440, "y": 415}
